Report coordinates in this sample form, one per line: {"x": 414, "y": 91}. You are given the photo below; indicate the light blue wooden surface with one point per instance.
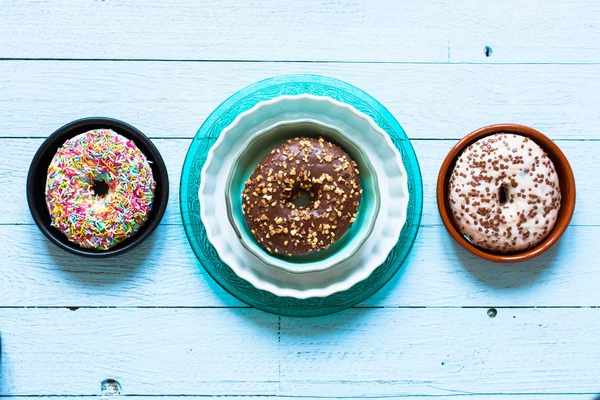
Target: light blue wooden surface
{"x": 156, "y": 323}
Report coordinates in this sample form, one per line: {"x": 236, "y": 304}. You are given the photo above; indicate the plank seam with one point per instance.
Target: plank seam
{"x": 309, "y": 397}
{"x": 256, "y": 61}
{"x": 501, "y": 307}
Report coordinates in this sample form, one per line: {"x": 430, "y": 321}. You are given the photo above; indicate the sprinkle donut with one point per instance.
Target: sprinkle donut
{"x": 87, "y": 218}
{"x": 504, "y": 193}
{"x": 310, "y": 165}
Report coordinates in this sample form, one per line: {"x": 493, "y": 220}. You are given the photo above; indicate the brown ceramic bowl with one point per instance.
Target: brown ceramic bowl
{"x": 565, "y": 178}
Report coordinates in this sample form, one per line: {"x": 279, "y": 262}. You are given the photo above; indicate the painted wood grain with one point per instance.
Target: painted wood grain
{"x": 355, "y": 31}
{"x": 172, "y": 99}
{"x": 239, "y": 30}
{"x": 175, "y": 331}
{"x": 535, "y": 31}
{"x": 391, "y": 352}
{"x": 19, "y": 152}
{"x": 432, "y": 351}
{"x": 228, "y": 351}
{"x": 494, "y": 396}
{"x": 162, "y": 268}
{"x": 164, "y": 272}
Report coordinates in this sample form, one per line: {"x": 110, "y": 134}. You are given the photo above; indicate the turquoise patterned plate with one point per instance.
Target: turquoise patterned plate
{"x": 224, "y": 116}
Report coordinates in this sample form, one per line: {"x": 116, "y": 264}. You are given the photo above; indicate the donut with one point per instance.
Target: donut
{"x": 504, "y": 193}
{"x": 310, "y": 165}
{"x": 93, "y": 220}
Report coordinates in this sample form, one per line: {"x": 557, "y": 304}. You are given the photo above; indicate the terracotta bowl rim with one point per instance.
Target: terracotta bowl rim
{"x": 558, "y": 158}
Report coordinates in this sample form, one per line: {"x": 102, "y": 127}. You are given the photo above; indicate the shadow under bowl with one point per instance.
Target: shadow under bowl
{"x": 259, "y": 146}
{"x": 38, "y": 171}
{"x": 565, "y": 178}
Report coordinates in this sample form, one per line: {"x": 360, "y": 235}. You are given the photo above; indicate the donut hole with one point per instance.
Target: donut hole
{"x": 302, "y": 199}
{"x": 503, "y": 194}
{"x": 100, "y": 188}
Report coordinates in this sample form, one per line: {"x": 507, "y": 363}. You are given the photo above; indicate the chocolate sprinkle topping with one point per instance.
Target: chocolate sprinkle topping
{"x": 504, "y": 193}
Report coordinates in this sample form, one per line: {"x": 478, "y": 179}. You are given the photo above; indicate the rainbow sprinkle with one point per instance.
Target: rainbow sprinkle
{"x": 90, "y": 220}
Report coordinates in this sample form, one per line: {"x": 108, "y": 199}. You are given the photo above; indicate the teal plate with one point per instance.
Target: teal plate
{"x": 224, "y": 115}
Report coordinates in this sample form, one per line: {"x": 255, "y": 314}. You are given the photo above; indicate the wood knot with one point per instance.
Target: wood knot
{"x": 110, "y": 387}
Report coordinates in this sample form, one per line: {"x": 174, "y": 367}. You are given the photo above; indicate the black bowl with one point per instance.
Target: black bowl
{"x": 36, "y": 183}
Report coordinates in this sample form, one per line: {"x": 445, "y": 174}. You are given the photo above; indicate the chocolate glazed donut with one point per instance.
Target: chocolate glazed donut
{"x": 317, "y": 167}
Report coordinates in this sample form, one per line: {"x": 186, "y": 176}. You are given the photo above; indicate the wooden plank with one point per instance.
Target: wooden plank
{"x": 164, "y": 272}
{"x": 440, "y": 273}
{"x": 433, "y": 351}
{"x": 495, "y": 396}
{"x": 172, "y": 99}
{"x": 535, "y": 31}
{"x": 227, "y": 351}
{"x": 444, "y": 351}
{"x": 383, "y": 31}
{"x": 13, "y": 176}
{"x": 374, "y": 353}
{"x": 205, "y": 30}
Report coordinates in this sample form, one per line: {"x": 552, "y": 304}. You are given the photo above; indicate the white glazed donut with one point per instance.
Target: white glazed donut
{"x": 504, "y": 193}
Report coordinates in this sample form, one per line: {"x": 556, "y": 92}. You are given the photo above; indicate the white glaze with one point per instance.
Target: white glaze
{"x": 519, "y": 165}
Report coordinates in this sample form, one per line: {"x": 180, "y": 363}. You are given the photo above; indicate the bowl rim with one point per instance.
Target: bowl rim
{"x": 243, "y": 285}
{"x": 543, "y": 141}
{"x": 157, "y": 213}
{"x": 272, "y": 261}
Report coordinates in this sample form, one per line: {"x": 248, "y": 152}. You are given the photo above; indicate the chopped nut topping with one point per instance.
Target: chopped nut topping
{"x": 268, "y": 201}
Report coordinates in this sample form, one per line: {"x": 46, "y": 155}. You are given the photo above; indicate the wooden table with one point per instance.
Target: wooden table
{"x": 153, "y": 320}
